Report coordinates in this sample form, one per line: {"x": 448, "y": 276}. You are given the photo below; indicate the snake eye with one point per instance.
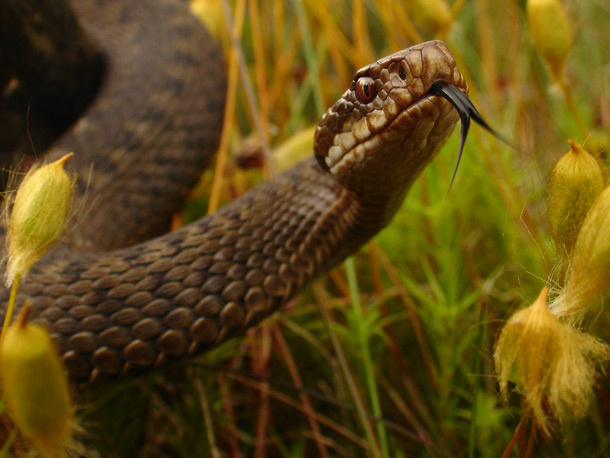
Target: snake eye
{"x": 365, "y": 89}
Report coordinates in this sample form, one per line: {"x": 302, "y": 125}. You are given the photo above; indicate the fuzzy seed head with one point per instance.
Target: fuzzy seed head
{"x": 551, "y": 33}
{"x": 590, "y": 269}
{"x": 556, "y": 364}
{"x": 576, "y": 181}
{"x": 530, "y": 339}
{"x": 39, "y": 214}
{"x": 35, "y": 387}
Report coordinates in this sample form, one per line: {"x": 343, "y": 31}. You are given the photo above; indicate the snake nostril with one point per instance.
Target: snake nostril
{"x": 402, "y": 74}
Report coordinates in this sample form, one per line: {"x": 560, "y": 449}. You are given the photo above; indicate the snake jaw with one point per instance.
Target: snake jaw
{"x": 353, "y": 135}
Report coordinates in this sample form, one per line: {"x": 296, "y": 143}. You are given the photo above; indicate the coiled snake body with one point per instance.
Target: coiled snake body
{"x": 122, "y": 311}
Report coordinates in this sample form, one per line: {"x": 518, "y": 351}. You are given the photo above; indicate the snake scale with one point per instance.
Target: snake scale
{"x": 117, "y": 305}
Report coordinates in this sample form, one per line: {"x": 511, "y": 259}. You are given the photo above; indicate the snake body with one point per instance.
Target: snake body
{"x": 116, "y": 312}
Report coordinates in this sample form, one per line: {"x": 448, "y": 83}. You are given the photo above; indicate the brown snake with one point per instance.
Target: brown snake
{"x": 118, "y": 312}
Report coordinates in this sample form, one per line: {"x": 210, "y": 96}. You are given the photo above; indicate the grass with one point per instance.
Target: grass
{"x": 391, "y": 354}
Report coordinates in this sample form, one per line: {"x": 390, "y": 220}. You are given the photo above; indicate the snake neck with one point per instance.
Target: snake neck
{"x": 379, "y": 182}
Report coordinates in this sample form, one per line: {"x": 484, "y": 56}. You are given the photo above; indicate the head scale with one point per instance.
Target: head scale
{"x": 386, "y": 103}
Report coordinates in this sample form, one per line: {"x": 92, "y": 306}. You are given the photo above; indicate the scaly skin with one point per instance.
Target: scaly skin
{"x": 123, "y": 312}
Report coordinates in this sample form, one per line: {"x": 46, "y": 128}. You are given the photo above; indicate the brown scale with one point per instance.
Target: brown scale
{"x": 122, "y": 312}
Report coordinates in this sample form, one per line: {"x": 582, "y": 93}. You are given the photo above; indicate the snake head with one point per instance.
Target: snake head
{"x": 388, "y": 125}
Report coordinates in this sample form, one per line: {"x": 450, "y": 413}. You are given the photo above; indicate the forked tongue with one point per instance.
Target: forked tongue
{"x": 467, "y": 111}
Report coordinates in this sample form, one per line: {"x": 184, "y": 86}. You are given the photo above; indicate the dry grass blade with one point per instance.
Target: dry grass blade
{"x": 294, "y": 373}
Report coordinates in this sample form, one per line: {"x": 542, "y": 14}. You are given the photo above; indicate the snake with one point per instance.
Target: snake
{"x": 121, "y": 298}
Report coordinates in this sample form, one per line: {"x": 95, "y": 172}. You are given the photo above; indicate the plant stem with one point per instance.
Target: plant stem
{"x": 362, "y": 415}
{"x": 310, "y": 57}
{"x": 477, "y": 383}
{"x": 567, "y": 94}
{"x": 6, "y": 447}
{"x": 207, "y": 417}
{"x": 11, "y": 303}
{"x": 366, "y": 353}
{"x": 232, "y": 80}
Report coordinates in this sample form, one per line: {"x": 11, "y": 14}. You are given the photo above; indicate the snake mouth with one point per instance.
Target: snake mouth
{"x": 467, "y": 112}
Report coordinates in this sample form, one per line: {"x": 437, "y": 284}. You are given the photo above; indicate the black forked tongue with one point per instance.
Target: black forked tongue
{"x": 466, "y": 110}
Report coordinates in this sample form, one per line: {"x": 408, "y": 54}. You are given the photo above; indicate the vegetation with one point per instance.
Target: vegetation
{"x": 391, "y": 354}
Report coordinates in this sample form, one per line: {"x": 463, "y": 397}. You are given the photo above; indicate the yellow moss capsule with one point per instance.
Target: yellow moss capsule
{"x": 35, "y": 387}
{"x": 39, "y": 214}
{"x": 294, "y": 149}
{"x": 551, "y": 33}
{"x": 556, "y": 364}
{"x": 576, "y": 181}
{"x": 590, "y": 269}
{"x": 433, "y": 16}
{"x": 530, "y": 339}
{"x": 209, "y": 12}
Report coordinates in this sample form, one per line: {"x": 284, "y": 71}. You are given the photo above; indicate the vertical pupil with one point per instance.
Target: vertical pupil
{"x": 365, "y": 88}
